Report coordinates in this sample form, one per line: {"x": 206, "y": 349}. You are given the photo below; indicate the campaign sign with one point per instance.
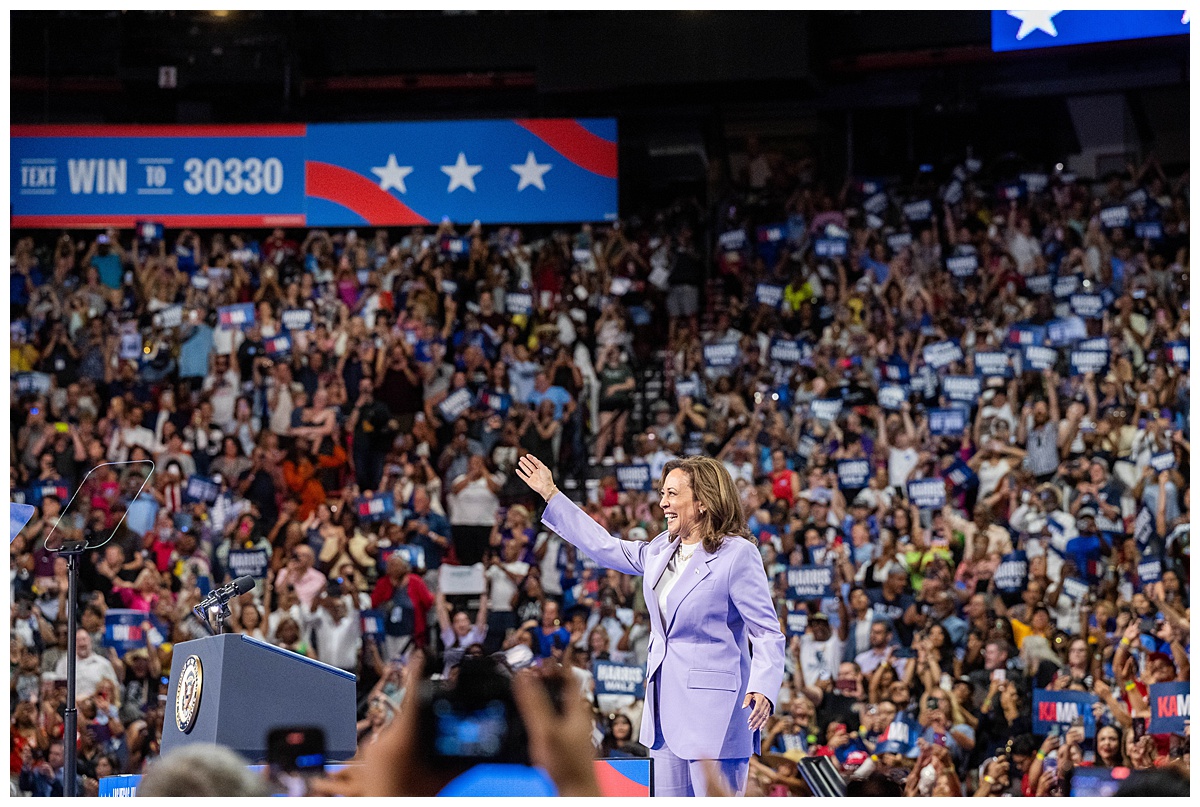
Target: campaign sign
{"x": 947, "y": 422}
{"x": 898, "y": 241}
{"x": 1163, "y": 461}
{"x": 896, "y": 370}
{"x": 965, "y": 388}
{"x": 1149, "y": 570}
{"x": 123, "y": 630}
{"x": 379, "y": 507}
{"x": 1066, "y": 285}
{"x": 1065, "y": 331}
{"x": 1143, "y": 528}
{"x": 927, "y": 494}
{"x": 771, "y": 233}
{"x": 993, "y": 363}
{"x": 826, "y": 409}
{"x": 37, "y": 383}
{"x": 1115, "y": 216}
{"x": 1054, "y": 707}
{"x": 853, "y": 473}
{"x": 201, "y": 489}
{"x": 461, "y": 579}
{"x": 1012, "y": 573}
{"x": 1088, "y": 361}
{"x": 687, "y": 388}
{"x": 875, "y": 203}
{"x": 455, "y": 404}
{"x": 1177, "y": 352}
{"x": 810, "y": 582}
{"x": 252, "y": 562}
{"x": 1170, "y": 707}
{"x": 1024, "y": 335}
{"x": 278, "y": 346}
{"x": 963, "y": 265}
{"x": 297, "y": 319}
{"x": 1150, "y": 230}
{"x": 1088, "y": 306}
{"x": 892, "y": 397}
{"x": 415, "y": 555}
{"x": 797, "y": 622}
{"x": 239, "y": 316}
{"x": 942, "y": 354}
{"x": 619, "y": 679}
{"x": 1097, "y": 345}
{"x": 518, "y": 302}
{"x": 634, "y": 477}
{"x": 1040, "y": 358}
{"x": 112, "y": 787}
{"x": 722, "y": 354}
{"x": 130, "y": 347}
{"x": 919, "y": 211}
{"x": 961, "y": 476}
{"x": 1076, "y": 589}
{"x": 769, "y": 294}
{"x": 169, "y": 317}
{"x": 732, "y": 241}
{"x": 1039, "y": 284}
{"x": 1034, "y": 183}
{"x": 830, "y": 247}
{"x": 785, "y": 351}
{"x": 372, "y": 623}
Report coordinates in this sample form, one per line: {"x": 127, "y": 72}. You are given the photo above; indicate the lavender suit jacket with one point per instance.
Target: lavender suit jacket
{"x": 699, "y": 668}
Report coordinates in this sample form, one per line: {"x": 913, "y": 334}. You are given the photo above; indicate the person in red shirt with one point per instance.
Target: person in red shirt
{"x": 405, "y": 600}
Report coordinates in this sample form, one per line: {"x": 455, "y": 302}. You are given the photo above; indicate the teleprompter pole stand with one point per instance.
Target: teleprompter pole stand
{"x": 71, "y": 550}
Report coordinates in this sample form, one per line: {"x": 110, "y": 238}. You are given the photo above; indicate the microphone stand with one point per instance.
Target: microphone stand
{"x": 71, "y": 550}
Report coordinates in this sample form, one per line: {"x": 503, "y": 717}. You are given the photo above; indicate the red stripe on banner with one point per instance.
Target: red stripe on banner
{"x": 357, "y": 193}
{"x": 101, "y": 222}
{"x": 570, "y": 139}
{"x": 104, "y": 130}
{"x": 613, "y": 784}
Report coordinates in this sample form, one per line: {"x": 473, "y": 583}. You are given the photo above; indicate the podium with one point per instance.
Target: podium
{"x": 231, "y": 690}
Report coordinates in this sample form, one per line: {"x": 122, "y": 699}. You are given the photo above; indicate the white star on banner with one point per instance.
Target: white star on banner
{"x": 531, "y": 173}
{"x": 392, "y": 175}
{"x": 1035, "y": 21}
{"x": 461, "y": 174}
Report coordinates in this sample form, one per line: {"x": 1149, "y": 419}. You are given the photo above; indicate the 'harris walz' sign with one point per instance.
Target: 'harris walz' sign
{"x": 619, "y": 679}
{"x": 810, "y": 582}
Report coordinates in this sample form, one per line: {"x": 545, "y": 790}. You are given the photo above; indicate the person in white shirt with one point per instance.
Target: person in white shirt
{"x": 880, "y": 650}
{"x": 90, "y": 668}
{"x": 820, "y": 650}
{"x": 504, "y": 581}
{"x": 458, "y": 632}
{"x": 336, "y": 630}
{"x": 902, "y": 453}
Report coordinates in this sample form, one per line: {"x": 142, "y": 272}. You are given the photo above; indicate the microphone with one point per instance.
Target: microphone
{"x": 223, "y": 595}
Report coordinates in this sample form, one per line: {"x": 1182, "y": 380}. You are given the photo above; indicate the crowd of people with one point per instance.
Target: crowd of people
{"x": 955, "y": 406}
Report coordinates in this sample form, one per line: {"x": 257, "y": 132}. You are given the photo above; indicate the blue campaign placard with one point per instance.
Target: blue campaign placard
{"x": 927, "y": 494}
{"x": 921, "y": 210}
{"x": 1062, "y": 332}
{"x": 942, "y": 354}
{"x": 797, "y": 622}
{"x": 829, "y": 247}
{"x": 1061, "y": 708}
{"x": 787, "y": 351}
{"x": 455, "y": 404}
{"x": 896, "y": 370}
{"x": 947, "y": 422}
{"x": 960, "y": 475}
{"x": 519, "y": 303}
{"x": 372, "y": 623}
{"x": 826, "y": 409}
{"x": 1039, "y": 284}
{"x": 732, "y": 240}
{"x": 1012, "y": 573}
{"x": 634, "y": 477}
{"x": 993, "y": 363}
{"x": 810, "y": 582}
{"x": 379, "y": 507}
{"x": 722, "y": 354}
{"x": 297, "y": 319}
{"x": 853, "y": 473}
{"x": 1149, "y": 570}
{"x": 1115, "y": 216}
{"x": 1163, "y": 461}
{"x": 1177, "y": 353}
{"x": 892, "y": 397}
{"x": 1027, "y": 30}
{"x": 249, "y": 562}
{"x": 278, "y": 347}
{"x": 236, "y": 317}
{"x": 1066, "y": 285}
{"x": 415, "y": 555}
{"x": 498, "y": 402}
{"x": 1039, "y": 358}
{"x": 123, "y": 630}
{"x": 772, "y": 233}
{"x": 964, "y": 388}
{"x": 122, "y": 786}
{"x": 769, "y": 294}
{"x": 898, "y": 241}
{"x": 1088, "y": 361}
{"x": 619, "y": 679}
{"x": 1098, "y": 345}
{"x": 1088, "y": 306}
{"x": 1148, "y": 230}
{"x": 963, "y": 266}
{"x": 201, "y": 489}
{"x": 1170, "y": 707}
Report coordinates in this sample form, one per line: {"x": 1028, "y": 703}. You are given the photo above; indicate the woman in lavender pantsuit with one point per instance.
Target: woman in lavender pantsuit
{"x": 709, "y": 603}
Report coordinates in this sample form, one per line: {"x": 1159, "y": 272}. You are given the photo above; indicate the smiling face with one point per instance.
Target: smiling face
{"x": 679, "y": 504}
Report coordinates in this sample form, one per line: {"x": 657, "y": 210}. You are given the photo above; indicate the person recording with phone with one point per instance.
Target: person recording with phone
{"x": 710, "y": 602}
